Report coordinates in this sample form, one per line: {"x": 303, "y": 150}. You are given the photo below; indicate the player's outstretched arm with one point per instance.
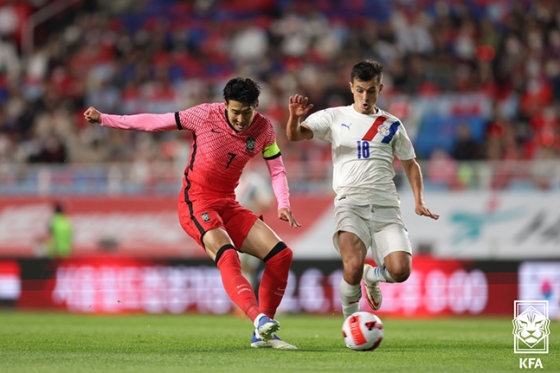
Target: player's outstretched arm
{"x": 414, "y": 175}
{"x": 140, "y": 122}
{"x": 298, "y": 107}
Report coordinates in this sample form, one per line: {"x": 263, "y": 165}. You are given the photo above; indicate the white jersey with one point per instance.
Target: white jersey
{"x": 363, "y": 151}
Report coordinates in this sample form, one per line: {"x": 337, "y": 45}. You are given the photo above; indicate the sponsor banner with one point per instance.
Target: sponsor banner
{"x": 10, "y": 282}
{"x": 472, "y": 225}
{"x": 141, "y": 227}
{"x": 132, "y": 226}
{"x": 123, "y": 285}
{"x": 487, "y": 225}
{"x": 435, "y": 287}
{"x": 477, "y": 225}
{"x": 540, "y": 281}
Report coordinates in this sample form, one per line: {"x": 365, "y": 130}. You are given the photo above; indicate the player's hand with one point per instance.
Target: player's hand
{"x": 286, "y": 215}
{"x": 299, "y": 106}
{"x": 92, "y": 115}
{"x": 422, "y": 210}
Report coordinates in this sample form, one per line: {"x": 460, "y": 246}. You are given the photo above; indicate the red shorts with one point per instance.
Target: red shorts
{"x": 198, "y": 216}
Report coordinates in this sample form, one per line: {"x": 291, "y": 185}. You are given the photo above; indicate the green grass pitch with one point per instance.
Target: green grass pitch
{"x": 61, "y": 342}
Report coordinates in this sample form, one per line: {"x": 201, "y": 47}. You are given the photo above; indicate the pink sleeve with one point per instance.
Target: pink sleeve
{"x": 279, "y": 182}
{"x": 142, "y": 122}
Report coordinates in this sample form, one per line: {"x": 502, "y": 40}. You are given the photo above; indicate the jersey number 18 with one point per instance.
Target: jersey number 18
{"x": 363, "y": 149}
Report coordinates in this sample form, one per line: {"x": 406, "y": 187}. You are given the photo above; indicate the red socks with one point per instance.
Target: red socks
{"x": 274, "y": 279}
{"x": 272, "y": 286}
{"x": 237, "y": 287}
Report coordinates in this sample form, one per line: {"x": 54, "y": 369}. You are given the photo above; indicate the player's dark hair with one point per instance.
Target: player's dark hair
{"x": 244, "y": 90}
{"x": 366, "y": 71}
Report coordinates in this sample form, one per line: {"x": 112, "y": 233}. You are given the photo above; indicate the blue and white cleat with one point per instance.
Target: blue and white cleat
{"x": 266, "y": 327}
{"x": 275, "y": 342}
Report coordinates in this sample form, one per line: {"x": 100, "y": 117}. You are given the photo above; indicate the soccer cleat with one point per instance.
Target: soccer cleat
{"x": 267, "y": 327}
{"x": 373, "y": 292}
{"x": 275, "y": 342}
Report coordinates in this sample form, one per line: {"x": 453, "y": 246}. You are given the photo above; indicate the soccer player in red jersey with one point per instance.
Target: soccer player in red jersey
{"x": 226, "y": 136}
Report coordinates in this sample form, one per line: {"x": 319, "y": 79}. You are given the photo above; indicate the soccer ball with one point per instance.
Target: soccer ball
{"x": 362, "y": 331}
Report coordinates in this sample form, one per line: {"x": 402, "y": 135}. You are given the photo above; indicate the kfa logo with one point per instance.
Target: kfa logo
{"x": 205, "y": 217}
{"x": 250, "y": 144}
{"x": 531, "y": 328}
{"x": 530, "y": 363}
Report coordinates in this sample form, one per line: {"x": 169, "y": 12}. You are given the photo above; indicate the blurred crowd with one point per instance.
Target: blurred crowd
{"x": 471, "y": 79}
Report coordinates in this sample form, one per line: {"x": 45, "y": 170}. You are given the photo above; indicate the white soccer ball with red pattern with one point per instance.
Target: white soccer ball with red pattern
{"x": 363, "y": 331}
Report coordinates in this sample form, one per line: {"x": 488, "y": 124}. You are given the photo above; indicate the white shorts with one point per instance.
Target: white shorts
{"x": 379, "y": 227}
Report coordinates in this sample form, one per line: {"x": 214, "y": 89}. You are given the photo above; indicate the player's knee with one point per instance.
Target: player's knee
{"x": 280, "y": 252}
{"x": 399, "y": 265}
{"x": 400, "y": 273}
{"x": 287, "y": 255}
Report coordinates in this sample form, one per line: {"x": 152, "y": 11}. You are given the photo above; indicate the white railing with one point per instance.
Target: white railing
{"x": 304, "y": 177}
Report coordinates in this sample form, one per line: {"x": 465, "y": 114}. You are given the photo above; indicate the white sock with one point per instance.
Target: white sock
{"x": 350, "y": 296}
{"x": 379, "y": 274}
{"x": 257, "y": 319}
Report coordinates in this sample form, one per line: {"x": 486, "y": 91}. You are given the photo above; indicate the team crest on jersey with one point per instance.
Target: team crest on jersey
{"x": 205, "y": 217}
{"x": 384, "y": 129}
{"x": 250, "y": 144}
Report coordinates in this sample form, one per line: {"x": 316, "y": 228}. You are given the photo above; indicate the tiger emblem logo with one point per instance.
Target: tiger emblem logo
{"x": 531, "y": 327}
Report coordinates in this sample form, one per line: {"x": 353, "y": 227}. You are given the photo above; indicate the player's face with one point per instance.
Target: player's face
{"x": 240, "y": 116}
{"x": 366, "y": 94}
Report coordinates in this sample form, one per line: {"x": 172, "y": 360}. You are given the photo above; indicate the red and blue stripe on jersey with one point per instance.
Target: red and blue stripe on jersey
{"x": 374, "y": 130}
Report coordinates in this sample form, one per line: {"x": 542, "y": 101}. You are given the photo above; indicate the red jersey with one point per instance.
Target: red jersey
{"x": 219, "y": 153}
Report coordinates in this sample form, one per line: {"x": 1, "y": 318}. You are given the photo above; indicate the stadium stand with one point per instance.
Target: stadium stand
{"x": 491, "y": 66}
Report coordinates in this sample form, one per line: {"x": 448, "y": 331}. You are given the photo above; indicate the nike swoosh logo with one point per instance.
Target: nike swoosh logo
{"x": 376, "y": 304}
{"x": 214, "y": 131}
{"x": 280, "y": 289}
{"x": 354, "y": 302}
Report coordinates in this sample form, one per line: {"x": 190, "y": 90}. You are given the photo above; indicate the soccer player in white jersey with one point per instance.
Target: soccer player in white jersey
{"x": 365, "y": 140}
